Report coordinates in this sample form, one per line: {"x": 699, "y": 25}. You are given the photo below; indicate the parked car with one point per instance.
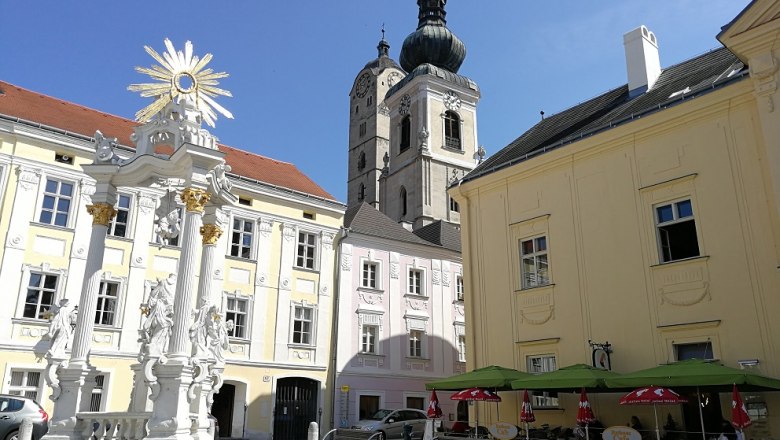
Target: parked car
{"x": 13, "y": 409}
{"x": 390, "y": 423}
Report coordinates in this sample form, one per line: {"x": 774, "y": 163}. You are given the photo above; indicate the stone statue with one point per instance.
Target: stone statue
{"x": 61, "y": 328}
{"x": 156, "y": 330}
{"x": 167, "y": 227}
{"x": 219, "y": 179}
{"x": 219, "y": 335}
{"x": 104, "y": 149}
{"x": 424, "y": 139}
{"x": 199, "y": 330}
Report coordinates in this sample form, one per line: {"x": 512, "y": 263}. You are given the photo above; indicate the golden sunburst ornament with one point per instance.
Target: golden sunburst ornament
{"x": 181, "y": 73}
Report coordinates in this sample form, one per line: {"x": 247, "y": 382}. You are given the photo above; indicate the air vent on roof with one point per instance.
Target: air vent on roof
{"x": 63, "y": 158}
{"x": 680, "y": 92}
{"x": 243, "y": 201}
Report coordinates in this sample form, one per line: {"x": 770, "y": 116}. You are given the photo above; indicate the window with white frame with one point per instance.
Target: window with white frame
{"x": 368, "y": 336}
{"x": 241, "y": 239}
{"x": 57, "y": 197}
{"x": 694, "y": 350}
{"x": 416, "y": 340}
{"x": 543, "y": 363}
{"x": 306, "y": 256}
{"x": 416, "y": 280}
{"x": 459, "y": 288}
{"x": 96, "y": 399}
{"x": 676, "y": 228}
{"x": 120, "y": 224}
{"x": 369, "y": 275}
{"x": 237, "y": 310}
{"x": 534, "y": 263}
{"x": 303, "y": 325}
{"x": 41, "y": 291}
{"x": 108, "y": 296}
{"x": 25, "y": 383}
{"x": 461, "y": 348}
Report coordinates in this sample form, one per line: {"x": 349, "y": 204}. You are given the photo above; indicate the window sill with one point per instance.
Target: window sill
{"x": 458, "y": 302}
{"x": 416, "y": 296}
{"x": 415, "y": 358}
{"x": 164, "y": 246}
{"x": 107, "y": 328}
{"x": 539, "y": 287}
{"x": 30, "y": 321}
{"x": 294, "y": 345}
{"x": 53, "y": 227}
{"x": 245, "y": 260}
{"x": 371, "y": 290}
{"x": 376, "y": 355}
{"x": 124, "y": 239}
{"x": 304, "y": 269}
{"x": 453, "y": 150}
{"x": 682, "y": 260}
{"x": 238, "y": 340}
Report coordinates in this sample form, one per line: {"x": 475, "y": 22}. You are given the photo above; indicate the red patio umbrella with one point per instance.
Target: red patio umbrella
{"x": 476, "y": 394}
{"x": 739, "y": 415}
{"x": 585, "y": 413}
{"x": 527, "y": 413}
{"x": 434, "y": 411}
{"x": 652, "y": 396}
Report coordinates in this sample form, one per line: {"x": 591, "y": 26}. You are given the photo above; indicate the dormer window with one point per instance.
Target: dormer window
{"x": 451, "y": 130}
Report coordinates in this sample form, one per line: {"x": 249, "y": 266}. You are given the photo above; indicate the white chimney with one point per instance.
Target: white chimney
{"x": 642, "y": 61}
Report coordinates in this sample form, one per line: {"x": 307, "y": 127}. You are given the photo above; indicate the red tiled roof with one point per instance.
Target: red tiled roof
{"x": 31, "y": 106}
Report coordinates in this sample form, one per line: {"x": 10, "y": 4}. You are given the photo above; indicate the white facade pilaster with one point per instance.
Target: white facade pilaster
{"x": 282, "y": 336}
{"x": 324, "y": 301}
{"x": 81, "y": 237}
{"x": 263, "y": 288}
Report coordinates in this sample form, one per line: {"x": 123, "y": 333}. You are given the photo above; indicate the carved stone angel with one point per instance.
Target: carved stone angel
{"x": 61, "y": 328}
{"x": 104, "y": 149}
{"x": 199, "y": 330}
{"x": 167, "y": 227}
{"x": 219, "y": 179}
{"x": 219, "y": 335}
{"x": 156, "y": 329}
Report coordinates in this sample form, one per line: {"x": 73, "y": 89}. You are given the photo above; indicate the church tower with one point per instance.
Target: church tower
{"x": 422, "y": 134}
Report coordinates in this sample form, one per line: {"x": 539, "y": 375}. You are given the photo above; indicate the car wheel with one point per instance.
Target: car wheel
{"x": 14, "y": 435}
{"x": 381, "y": 436}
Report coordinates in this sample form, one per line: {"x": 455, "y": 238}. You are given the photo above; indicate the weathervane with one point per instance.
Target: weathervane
{"x": 180, "y": 74}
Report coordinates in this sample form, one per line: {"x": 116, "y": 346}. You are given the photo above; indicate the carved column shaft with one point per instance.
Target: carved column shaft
{"x": 180, "y": 342}
{"x": 211, "y": 234}
{"x": 102, "y": 214}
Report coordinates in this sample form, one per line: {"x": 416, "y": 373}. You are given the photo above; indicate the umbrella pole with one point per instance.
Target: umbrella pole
{"x": 526, "y": 431}
{"x": 587, "y": 436}
{"x": 657, "y": 431}
{"x": 701, "y": 415}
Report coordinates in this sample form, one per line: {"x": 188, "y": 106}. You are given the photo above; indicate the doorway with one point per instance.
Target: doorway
{"x": 296, "y": 407}
{"x": 710, "y": 412}
{"x": 222, "y": 409}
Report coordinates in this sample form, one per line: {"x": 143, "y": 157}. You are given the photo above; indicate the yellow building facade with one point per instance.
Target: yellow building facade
{"x": 274, "y": 270}
{"x": 647, "y": 218}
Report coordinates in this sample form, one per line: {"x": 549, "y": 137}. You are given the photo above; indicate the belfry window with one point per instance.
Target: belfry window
{"x": 362, "y": 193}
{"x": 451, "y": 130}
{"x": 403, "y": 202}
{"x": 361, "y": 161}
{"x": 406, "y": 133}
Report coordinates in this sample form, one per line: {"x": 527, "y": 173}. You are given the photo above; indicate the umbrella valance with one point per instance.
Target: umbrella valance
{"x": 492, "y": 377}
{"x": 572, "y": 377}
{"x": 693, "y": 372}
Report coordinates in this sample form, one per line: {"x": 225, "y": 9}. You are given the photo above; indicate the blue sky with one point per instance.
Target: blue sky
{"x": 292, "y": 63}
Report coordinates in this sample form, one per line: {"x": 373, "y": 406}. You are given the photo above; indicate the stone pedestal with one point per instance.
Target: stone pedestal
{"x": 76, "y": 382}
{"x": 139, "y": 399}
{"x": 201, "y": 405}
{"x": 171, "y": 414}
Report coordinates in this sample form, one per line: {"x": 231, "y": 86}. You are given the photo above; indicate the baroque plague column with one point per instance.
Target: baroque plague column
{"x": 181, "y": 356}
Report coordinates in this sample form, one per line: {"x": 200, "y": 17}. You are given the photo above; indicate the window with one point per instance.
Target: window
{"x": 368, "y": 337}
{"x": 451, "y": 130}
{"x": 96, "y": 399}
{"x": 696, "y": 350}
{"x": 25, "y": 383}
{"x": 543, "y": 364}
{"x": 8, "y": 404}
{"x": 241, "y": 240}
{"x": 459, "y": 288}
{"x": 369, "y": 100}
{"x": 307, "y": 250}
{"x": 416, "y": 343}
{"x": 454, "y": 207}
{"x": 362, "y": 193}
{"x": 676, "y": 231}
{"x": 362, "y": 129}
{"x": 63, "y": 158}
{"x": 533, "y": 253}
{"x": 302, "y": 325}
{"x": 403, "y": 202}
{"x": 462, "y": 348}
{"x": 369, "y": 405}
{"x": 415, "y": 403}
{"x": 105, "y": 313}
{"x": 369, "y": 275}
{"x": 120, "y": 222}
{"x": 361, "y": 163}
{"x": 56, "y": 203}
{"x": 406, "y": 134}
{"x": 236, "y": 310}
{"x": 41, "y": 290}
{"x": 245, "y": 202}
{"x": 416, "y": 282}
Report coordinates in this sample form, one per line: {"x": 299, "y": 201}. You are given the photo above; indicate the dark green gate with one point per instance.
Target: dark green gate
{"x": 296, "y": 407}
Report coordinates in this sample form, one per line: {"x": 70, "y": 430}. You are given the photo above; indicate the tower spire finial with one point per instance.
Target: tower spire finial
{"x": 383, "y": 48}
{"x": 383, "y": 31}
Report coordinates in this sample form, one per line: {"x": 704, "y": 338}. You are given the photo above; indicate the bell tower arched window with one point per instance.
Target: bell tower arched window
{"x": 362, "y": 193}
{"x": 361, "y": 163}
{"x": 403, "y": 202}
{"x": 451, "y": 130}
{"x": 406, "y": 133}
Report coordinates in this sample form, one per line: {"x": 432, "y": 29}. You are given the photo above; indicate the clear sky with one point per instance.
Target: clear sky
{"x": 292, "y": 62}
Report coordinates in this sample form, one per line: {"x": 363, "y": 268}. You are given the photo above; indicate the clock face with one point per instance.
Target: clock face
{"x": 363, "y": 83}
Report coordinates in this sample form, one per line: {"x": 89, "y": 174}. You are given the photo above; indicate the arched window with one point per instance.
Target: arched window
{"x": 369, "y": 100}
{"x": 451, "y": 130}
{"x": 361, "y": 163}
{"x": 406, "y": 133}
{"x": 403, "y": 202}
{"x": 362, "y": 193}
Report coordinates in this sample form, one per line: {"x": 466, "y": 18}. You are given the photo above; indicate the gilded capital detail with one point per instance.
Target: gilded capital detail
{"x": 101, "y": 213}
{"x": 210, "y": 233}
{"x": 195, "y": 199}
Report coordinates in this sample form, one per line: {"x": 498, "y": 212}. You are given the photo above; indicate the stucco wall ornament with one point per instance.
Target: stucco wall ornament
{"x": 327, "y": 240}
{"x": 28, "y": 178}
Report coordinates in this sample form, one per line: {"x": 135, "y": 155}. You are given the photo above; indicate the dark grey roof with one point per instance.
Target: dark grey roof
{"x": 441, "y": 233}
{"x": 365, "y": 219}
{"x": 675, "y": 85}
{"x": 430, "y": 69}
{"x": 381, "y": 63}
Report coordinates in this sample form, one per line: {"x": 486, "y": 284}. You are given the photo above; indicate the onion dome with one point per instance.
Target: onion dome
{"x": 432, "y": 42}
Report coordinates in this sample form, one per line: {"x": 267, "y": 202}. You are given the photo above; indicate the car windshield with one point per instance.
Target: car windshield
{"x": 381, "y": 414}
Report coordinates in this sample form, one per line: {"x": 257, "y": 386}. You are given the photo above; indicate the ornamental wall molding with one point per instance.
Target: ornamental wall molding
{"x": 327, "y": 240}
{"x": 288, "y": 232}
{"x": 265, "y": 226}
{"x": 147, "y": 203}
{"x": 28, "y": 178}
{"x": 762, "y": 70}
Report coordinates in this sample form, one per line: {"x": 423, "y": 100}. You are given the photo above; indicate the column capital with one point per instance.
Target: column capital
{"x": 101, "y": 213}
{"x": 195, "y": 199}
{"x": 210, "y": 233}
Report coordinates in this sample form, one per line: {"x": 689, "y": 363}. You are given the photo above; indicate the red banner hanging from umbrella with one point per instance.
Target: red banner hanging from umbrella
{"x": 585, "y": 412}
{"x": 434, "y": 411}
{"x": 478, "y": 394}
{"x": 526, "y": 411}
{"x": 739, "y": 415}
